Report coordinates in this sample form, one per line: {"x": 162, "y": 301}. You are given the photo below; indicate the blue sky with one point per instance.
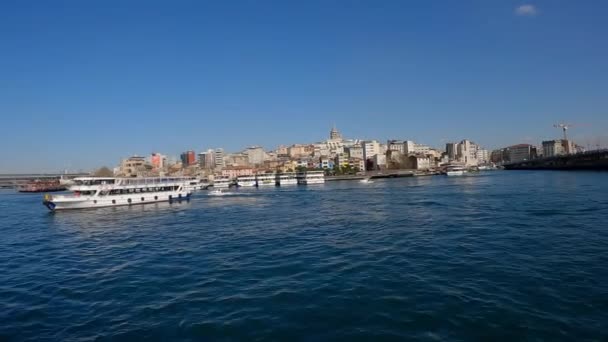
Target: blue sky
{"x": 85, "y": 83}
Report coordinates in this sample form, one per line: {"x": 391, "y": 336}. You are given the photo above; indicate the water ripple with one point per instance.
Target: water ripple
{"x": 501, "y": 256}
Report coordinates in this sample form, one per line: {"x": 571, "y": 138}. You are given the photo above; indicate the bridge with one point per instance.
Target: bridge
{"x": 14, "y": 180}
{"x": 592, "y": 160}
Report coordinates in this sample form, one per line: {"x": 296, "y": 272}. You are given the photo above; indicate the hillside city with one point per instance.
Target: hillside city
{"x": 336, "y": 155}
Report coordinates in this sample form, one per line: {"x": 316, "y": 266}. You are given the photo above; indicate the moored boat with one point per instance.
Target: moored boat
{"x": 246, "y": 181}
{"x": 286, "y": 178}
{"x": 263, "y": 179}
{"x": 311, "y": 177}
{"x": 222, "y": 182}
{"x": 96, "y": 192}
{"x": 456, "y": 170}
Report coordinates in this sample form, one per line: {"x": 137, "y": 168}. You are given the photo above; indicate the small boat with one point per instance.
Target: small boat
{"x": 366, "y": 180}
{"x": 216, "y": 192}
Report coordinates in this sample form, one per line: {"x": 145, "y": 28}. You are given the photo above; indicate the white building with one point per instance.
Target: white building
{"x": 355, "y": 151}
{"x": 255, "y": 155}
{"x": 370, "y": 149}
{"x": 219, "y": 158}
{"x": 206, "y": 159}
{"x": 483, "y": 156}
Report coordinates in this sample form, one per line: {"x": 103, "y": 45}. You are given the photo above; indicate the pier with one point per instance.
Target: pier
{"x": 592, "y": 160}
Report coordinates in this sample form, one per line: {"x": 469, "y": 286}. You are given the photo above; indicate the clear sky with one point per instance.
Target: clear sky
{"x": 85, "y": 83}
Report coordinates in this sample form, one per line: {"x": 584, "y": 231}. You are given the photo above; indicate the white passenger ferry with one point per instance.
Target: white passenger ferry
{"x": 311, "y": 177}
{"x": 456, "y": 170}
{"x": 286, "y": 178}
{"x": 221, "y": 182}
{"x": 246, "y": 181}
{"x": 194, "y": 184}
{"x": 264, "y": 179}
{"x": 96, "y": 192}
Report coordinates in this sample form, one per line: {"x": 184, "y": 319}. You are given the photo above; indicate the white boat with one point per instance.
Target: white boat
{"x": 264, "y": 179}
{"x": 221, "y": 182}
{"x": 287, "y": 178}
{"x": 246, "y": 181}
{"x": 456, "y": 170}
{"x": 366, "y": 180}
{"x": 216, "y": 192}
{"x": 96, "y": 192}
{"x": 195, "y": 184}
{"x": 311, "y": 177}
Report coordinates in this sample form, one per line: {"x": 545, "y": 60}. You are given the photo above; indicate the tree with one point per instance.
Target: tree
{"x": 103, "y": 172}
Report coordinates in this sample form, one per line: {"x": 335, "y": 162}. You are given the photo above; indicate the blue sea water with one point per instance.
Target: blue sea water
{"x": 498, "y": 256}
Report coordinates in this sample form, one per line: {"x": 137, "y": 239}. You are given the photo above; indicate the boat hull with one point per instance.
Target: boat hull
{"x": 311, "y": 181}
{"x": 455, "y": 173}
{"x": 283, "y": 182}
{"x": 70, "y": 203}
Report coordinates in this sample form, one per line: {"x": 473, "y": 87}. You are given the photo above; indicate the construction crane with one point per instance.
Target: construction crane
{"x": 564, "y": 127}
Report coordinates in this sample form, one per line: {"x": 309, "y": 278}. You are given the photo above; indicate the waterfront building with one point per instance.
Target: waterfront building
{"x": 236, "y": 159}
{"x": 452, "y": 150}
{"x": 325, "y": 163}
{"x": 357, "y": 163}
{"x": 467, "y": 153}
{"x": 299, "y": 150}
{"x": 560, "y": 147}
{"x": 499, "y": 156}
{"x": 158, "y": 161}
{"x": 134, "y": 166}
{"x": 188, "y": 158}
{"x": 233, "y": 172}
{"x": 206, "y": 160}
{"x": 419, "y": 162}
{"x": 483, "y": 156}
{"x": 255, "y": 155}
{"x": 355, "y": 151}
{"x": 341, "y": 160}
{"x": 219, "y": 158}
{"x": 518, "y": 153}
{"x": 321, "y": 150}
{"x": 379, "y": 160}
{"x": 282, "y": 151}
{"x": 370, "y": 149}
{"x": 409, "y": 147}
{"x": 396, "y": 145}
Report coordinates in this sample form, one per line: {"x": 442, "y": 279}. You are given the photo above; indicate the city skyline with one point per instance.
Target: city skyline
{"x": 87, "y": 84}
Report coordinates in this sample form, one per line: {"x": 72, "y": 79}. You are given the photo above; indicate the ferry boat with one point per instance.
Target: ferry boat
{"x": 264, "y": 179}
{"x": 455, "y": 170}
{"x": 196, "y": 184}
{"x": 222, "y": 182}
{"x": 96, "y": 192}
{"x": 246, "y": 181}
{"x": 287, "y": 178}
{"x": 311, "y": 177}
{"x": 42, "y": 186}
